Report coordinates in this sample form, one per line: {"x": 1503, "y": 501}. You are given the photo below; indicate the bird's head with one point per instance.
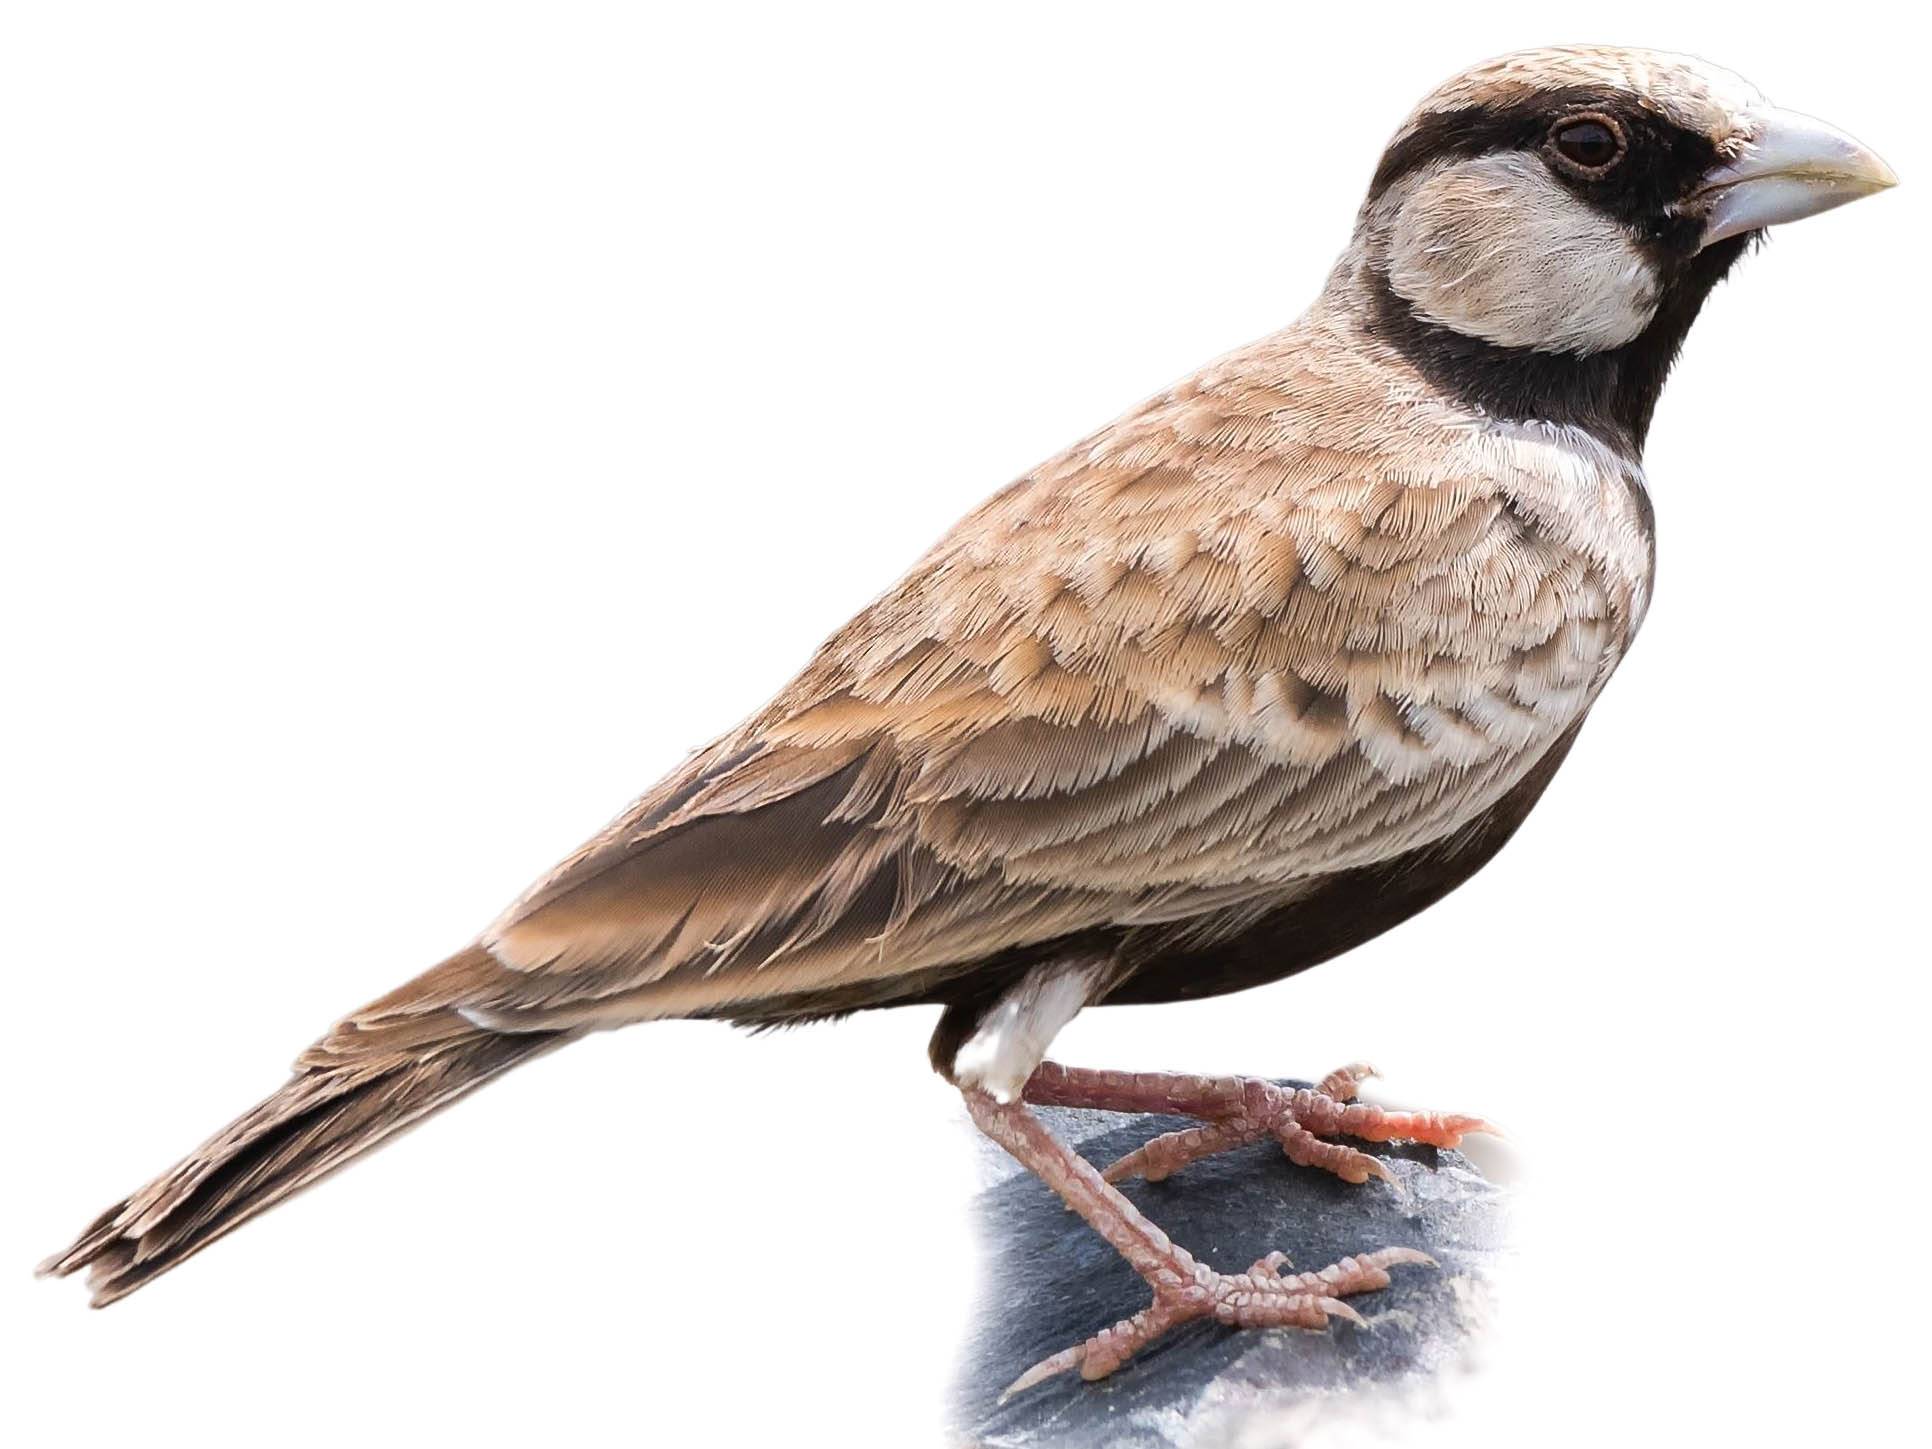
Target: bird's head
{"x": 1543, "y": 229}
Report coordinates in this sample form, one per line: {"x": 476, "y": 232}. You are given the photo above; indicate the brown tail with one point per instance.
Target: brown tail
{"x": 390, "y": 1065}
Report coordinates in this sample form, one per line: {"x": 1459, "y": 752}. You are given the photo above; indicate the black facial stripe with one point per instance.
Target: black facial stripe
{"x": 1663, "y": 164}
{"x": 1609, "y": 394}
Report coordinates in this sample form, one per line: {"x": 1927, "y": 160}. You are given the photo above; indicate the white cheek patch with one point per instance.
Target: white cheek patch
{"x": 1012, "y": 1039}
{"x": 1497, "y": 248}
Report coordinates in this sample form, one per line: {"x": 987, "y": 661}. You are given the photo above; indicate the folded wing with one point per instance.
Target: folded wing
{"x": 1224, "y": 646}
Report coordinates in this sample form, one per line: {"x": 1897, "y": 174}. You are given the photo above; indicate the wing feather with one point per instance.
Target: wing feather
{"x": 1282, "y": 620}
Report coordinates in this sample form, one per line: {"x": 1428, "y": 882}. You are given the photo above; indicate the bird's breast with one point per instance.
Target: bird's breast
{"x": 1454, "y": 610}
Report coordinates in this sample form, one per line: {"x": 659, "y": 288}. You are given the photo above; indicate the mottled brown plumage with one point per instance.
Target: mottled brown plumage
{"x": 1290, "y": 617}
{"x": 1265, "y": 665}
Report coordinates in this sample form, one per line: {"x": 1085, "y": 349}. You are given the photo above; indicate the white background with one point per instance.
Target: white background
{"x": 425, "y": 423}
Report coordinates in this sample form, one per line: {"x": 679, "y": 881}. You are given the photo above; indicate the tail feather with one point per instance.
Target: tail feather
{"x": 342, "y": 1101}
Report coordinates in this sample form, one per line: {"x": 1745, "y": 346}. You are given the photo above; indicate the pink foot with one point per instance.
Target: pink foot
{"x": 1239, "y": 1110}
{"x": 1262, "y": 1297}
{"x": 1184, "y": 1288}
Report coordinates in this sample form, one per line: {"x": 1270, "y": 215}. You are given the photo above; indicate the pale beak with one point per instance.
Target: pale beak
{"x": 1791, "y": 167}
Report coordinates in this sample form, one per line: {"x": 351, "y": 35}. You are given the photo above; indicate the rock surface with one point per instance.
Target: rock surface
{"x": 1050, "y": 1283}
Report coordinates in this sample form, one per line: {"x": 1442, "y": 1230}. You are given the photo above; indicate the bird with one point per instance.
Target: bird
{"x": 1265, "y": 666}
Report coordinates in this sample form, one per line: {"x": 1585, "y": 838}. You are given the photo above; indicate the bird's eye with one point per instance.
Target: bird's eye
{"x": 1591, "y": 144}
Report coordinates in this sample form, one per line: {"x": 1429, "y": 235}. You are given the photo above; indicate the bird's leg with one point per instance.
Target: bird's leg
{"x": 1237, "y": 1110}
{"x": 1183, "y": 1288}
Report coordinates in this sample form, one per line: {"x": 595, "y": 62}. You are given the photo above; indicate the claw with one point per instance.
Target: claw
{"x": 1463, "y": 1126}
{"x": 1378, "y": 1124}
{"x": 1343, "y": 1083}
{"x": 1271, "y": 1265}
{"x": 1305, "y": 1149}
{"x": 1045, "y": 1369}
{"x": 1336, "y": 1308}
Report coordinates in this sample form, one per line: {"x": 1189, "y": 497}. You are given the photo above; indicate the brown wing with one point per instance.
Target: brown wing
{"x": 1259, "y": 630}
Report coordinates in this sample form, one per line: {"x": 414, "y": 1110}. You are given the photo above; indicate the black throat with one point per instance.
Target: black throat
{"x": 1610, "y": 394}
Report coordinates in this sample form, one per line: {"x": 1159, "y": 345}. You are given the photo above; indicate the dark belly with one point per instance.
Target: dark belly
{"x": 1342, "y": 911}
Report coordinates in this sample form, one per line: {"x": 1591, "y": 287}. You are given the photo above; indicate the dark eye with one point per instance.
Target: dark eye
{"x": 1589, "y": 143}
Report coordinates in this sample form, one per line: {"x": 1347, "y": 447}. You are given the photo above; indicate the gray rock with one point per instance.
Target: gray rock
{"x": 1051, "y": 1282}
